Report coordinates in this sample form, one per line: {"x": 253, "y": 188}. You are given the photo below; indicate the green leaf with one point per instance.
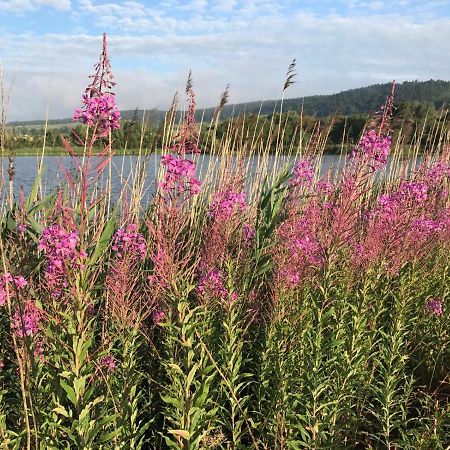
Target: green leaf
{"x": 33, "y": 192}
{"x": 172, "y": 401}
{"x": 61, "y": 411}
{"x": 69, "y": 391}
{"x": 108, "y": 437}
{"x": 183, "y": 433}
{"x": 103, "y": 242}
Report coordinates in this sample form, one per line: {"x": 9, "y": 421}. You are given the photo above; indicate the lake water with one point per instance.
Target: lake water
{"x": 123, "y": 169}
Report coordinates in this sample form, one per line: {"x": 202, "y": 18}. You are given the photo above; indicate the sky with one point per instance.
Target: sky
{"x": 48, "y": 48}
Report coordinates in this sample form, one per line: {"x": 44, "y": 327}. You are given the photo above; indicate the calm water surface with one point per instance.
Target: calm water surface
{"x": 123, "y": 170}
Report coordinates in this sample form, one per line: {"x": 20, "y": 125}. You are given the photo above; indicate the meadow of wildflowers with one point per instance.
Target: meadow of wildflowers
{"x": 287, "y": 309}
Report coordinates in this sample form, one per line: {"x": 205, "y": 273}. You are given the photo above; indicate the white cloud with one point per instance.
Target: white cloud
{"x": 126, "y": 8}
{"x": 22, "y": 6}
{"x": 16, "y": 5}
{"x": 333, "y": 53}
{"x": 225, "y": 5}
{"x": 61, "y": 5}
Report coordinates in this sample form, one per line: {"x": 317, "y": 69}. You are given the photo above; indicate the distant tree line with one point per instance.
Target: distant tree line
{"x": 410, "y": 117}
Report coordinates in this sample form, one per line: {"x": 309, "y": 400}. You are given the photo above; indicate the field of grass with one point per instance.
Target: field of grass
{"x": 287, "y": 310}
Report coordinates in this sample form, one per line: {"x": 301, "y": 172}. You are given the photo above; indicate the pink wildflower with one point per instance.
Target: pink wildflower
{"x": 226, "y": 203}
{"x": 374, "y": 147}
{"x": 16, "y": 282}
{"x": 108, "y": 362}
{"x": 21, "y": 228}
{"x": 26, "y": 323}
{"x": 186, "y": 139}
{"x": 434, "y": 306}
{"x": 426, "y": 226}
{"x": 99, "y": 105}
{"x": 303, "y": 173}
{"x": 414, "y": 191}
{"x": 100, "y": 111}
{"x": 324, "y": 187}
{"x": 158, "y": 316}
{"x": 248, "y": 231}
{"x": 436, "y": 173}
{"x": 212, "y": 285}
{"x": 128, "y": 241}
{"x": 179, "y": 176}
{"x": 299, "y": 250}
{"x": 38, "y": 351}
{"x": 60, "y": 248}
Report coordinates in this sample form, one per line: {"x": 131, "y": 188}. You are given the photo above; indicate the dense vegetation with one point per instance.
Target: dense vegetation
{"x": 285, "y": 308}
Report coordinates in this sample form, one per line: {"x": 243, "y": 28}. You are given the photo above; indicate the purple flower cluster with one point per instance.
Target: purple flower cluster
{"x": 299, "y": 252}
{"x": 304, "y": 252}
{"x": 99, "y": 107}
{"x": 403, "y": 224}
{"x": 212, "y": 285}
{"x": 26, "y": 322}
{"x": 100, "y": 111}
{"x": 21, "y": 227}
{"x": 414, "y": 191}
{"x": 179, "y": 176}
{"x": 108, "y": 363}
{"x": 18, "y": 282}
{"x": 434, "y": 306}
{"x": 437, "y": 173}
{"x": 226, "y": 203}
{"x": 158, "y": 316}
{"x": 324, "y": 186}
{"x": 290, "y": 277}
{"x": 127, "y": 241}
{"x": 307, "y": 245}
{"x": 60, "y": 248}
{"x": 374, "y": 147}
{"x": 248, "y": 231}
{"x": 388, "y": 205}
{"x": 424, "y": 226}
{"x": 302, "y": 174}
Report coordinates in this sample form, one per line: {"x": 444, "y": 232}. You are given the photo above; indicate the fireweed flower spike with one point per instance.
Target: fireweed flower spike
{"x": 60, "y": 249}
{"x": 185, "y": 141}
{"x": 26, "y": 322}
{"x": 226, "y": 203}
{"x": 375, "y": 144}
{"x": 303, "y": 173}
{"x": 212, "y": 285}
{"x": 108, "y": 363}
{"x": 99, "y": 107}
{"x": 434, "y": 306}
{"x": 18, "y": 282}
{"x": 158, "y": 316}
{"x": 179, "y": 178}
{"x": 127, "y": 241}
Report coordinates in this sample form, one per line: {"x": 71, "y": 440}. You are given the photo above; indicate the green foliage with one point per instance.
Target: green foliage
{"x": 189, "y": 407}
{"x": 77, "y": 415}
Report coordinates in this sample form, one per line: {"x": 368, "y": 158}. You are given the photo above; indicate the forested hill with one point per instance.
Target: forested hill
{"x": 354, "y": 101}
